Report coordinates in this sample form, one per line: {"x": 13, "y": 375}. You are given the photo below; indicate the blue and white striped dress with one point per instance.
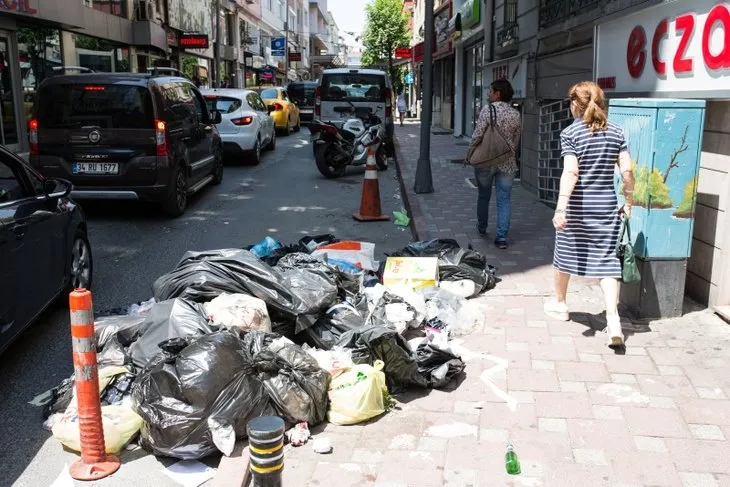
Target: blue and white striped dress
{"x": 587, "y": 246}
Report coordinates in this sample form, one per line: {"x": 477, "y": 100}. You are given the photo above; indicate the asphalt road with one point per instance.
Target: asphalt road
{"x": 133, "y": 244}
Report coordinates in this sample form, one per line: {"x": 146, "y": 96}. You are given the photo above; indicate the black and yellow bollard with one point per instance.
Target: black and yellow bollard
{"x": 266, "y": 450}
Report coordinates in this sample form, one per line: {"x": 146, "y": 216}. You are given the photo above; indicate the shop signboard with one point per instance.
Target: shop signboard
{"x": 402, "y": 52}
{"x": 18, "y": 6}
{"x": 441, "y": 31}
{"x": 295, "y": 57}
{"x": 470, "y": 14}
{"x": 267, "y": 75}
{"x": 672, "y": 49}
{"x": 513, "y": 70}
{"x": 193, "y": 40}
{"x": 278, "y": 46}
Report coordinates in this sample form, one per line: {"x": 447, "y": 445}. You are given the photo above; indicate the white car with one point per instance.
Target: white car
{"x": 246, "y": 127}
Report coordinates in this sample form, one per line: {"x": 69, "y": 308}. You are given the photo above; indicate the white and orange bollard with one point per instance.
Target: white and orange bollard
{"x": 370, "y": 203}
{"x": 95, "y": 463}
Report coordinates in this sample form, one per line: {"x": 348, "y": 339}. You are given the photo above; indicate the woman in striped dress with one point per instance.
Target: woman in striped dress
{"x": 587, "y": 218}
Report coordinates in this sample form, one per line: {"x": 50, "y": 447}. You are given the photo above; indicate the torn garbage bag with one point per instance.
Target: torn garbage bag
{"x": 455, "y": 263}
{"x": 192, "y": 382}
{"x": 339, "y": 319}
{"x": 176, "y": 318}
{"x": 239, "y": 311}
{"x": 438, "y": 365}
{"x": 202, "y": 276}
{"x": 377, "y": 342}
{"x": 398, "y": 308}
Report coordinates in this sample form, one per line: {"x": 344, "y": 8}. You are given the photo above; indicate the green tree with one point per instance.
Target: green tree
{"x": 686, "y": 208}
{"x": 189, "y": 66}
{"x": 36, "y": 41}
{"x": 386, "y": 28}
{"x": 650, "y": 188}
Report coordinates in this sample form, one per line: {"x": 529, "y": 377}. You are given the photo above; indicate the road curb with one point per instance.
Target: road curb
{"x": 233, "y": 470}
{"x": 410, "y": 200}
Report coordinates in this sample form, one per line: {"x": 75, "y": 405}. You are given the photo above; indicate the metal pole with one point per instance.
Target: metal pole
{"x": 424, "y": 181}
{"x": 286, "y": 44}
{"x": 217, "y": 53}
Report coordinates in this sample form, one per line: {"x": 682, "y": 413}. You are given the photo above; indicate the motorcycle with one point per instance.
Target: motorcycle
{"x": 336, "y": 148}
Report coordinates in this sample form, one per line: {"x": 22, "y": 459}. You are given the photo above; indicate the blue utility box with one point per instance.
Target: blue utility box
{"x": 665, "y": 142}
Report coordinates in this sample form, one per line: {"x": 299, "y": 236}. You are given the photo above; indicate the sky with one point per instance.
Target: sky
{"x": 349, "y": 14}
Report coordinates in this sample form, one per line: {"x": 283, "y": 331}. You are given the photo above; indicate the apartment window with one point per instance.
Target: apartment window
{"x": 270, "y": 5}
{"x": 510, "y": 12}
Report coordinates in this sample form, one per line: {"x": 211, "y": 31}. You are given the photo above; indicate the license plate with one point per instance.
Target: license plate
{"x": 96, "y": 168}
{"x": 306, "y": 111}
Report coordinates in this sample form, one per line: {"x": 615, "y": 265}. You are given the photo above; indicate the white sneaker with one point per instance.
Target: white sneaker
{"x": 556, "y": 310}
{"x": 615, "y": 333}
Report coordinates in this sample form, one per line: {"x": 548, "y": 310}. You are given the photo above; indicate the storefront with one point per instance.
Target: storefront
{"x": 443, "y": 74}
{"x": 671, "y": 51}
{"x": 469, "y": 63}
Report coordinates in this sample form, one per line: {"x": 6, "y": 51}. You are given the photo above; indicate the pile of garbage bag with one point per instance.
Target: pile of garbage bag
{"x": 306, "y": 332}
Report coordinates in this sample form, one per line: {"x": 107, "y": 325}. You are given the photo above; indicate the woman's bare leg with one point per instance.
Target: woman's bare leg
{"x": 561, "y": 285}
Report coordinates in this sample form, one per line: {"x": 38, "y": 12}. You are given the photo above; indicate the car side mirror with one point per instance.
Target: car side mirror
{"x": 270, "y": 109}
{"x": 215, "y": 117}
{"x": 57, "y": 188}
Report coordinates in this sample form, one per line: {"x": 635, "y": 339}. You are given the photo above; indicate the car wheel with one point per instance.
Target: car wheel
{"x": 218, "y": 167}
{"x": 272, "y": 143}
{"x": 256, "y": 153}
{"x": 381, "y": 159}
{"x": 299, "y": 125}
{"x": 177, "y": 197}
{"x": 82, "y": 265}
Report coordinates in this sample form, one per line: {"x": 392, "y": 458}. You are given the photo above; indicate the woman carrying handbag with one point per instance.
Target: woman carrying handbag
{"x": 492, "y": 153}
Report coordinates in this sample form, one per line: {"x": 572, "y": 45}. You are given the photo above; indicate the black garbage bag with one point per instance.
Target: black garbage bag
{"x": 376, "y": 342}
{"x": 276, "y": 255}
{"x": 124, "y": 328}
{"x": 339, "y": 319}
{"x": 176, "y": 318}
{"x": 294, "y": 381}
{"x": 309, "y": 243}
{"x": 194, "y": 386}
{"x": 202, "y": 276}
{"x": 455, "y": 263}
{"x": 346, "y": 284}
{"x": 61, "y": 397}
{"x": 437, "y": 365}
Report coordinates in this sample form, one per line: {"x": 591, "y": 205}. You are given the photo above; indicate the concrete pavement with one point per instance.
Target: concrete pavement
{"x": 132, "y": 245}
{"x": 577, "y": 413}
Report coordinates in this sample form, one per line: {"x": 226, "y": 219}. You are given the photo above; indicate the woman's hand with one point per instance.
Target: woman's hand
{"x": 625, "y": 212}
{"x": 559, "y": 220}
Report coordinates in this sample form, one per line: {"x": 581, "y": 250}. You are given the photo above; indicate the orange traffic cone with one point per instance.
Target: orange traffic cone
{"x": 370, "y": 203}
{"x": 94, "y": 463}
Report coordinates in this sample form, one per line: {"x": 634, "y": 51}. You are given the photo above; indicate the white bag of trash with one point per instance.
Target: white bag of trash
{"x": 239, "y": 311}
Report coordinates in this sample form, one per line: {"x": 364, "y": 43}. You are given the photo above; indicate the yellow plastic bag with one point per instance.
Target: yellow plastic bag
{"x": 358, "y": 394}
{"x": 119, "y": 421}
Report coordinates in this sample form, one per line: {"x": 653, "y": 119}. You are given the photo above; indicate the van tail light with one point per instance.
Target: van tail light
{"x": 161, "y": 138}
{"x": 388, "y": 102}
{"x": 33, "y": 137}
{"x": 318, "y": 101}
{"x": 278, "y": 107}
{"x": 242, "y": 121}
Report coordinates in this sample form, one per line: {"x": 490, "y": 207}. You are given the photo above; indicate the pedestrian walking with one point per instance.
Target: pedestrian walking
{"x": 401, "y": 105}
{"x": 502, "y": 176}
{"x": 587, "y": 218}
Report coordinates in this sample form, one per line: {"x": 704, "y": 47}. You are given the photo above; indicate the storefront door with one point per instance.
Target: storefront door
{"x": 9, "y": 128}
{"x": 473, "y": 87}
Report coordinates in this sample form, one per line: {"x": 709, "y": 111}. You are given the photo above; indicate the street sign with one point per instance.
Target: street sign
{"x": 409, "y": 78}
{"x": 278, "y": 46}
{"x": 402, "y": 52}
{"x": 193, "y": 40}
{"x": 295, "y": 56}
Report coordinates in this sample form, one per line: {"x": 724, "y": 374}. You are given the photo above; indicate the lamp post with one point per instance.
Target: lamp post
{"x": 424, "y": 180}
{"x": 286, "y": 43}
{"x": 217, "y": 53}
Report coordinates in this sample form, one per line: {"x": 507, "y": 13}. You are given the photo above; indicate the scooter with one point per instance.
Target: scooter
{"x": 336, "y": 148}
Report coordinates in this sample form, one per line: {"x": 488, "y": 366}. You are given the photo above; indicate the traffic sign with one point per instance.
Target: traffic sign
{"x": 278, "y": 46}
{"x": 409, "y": 78}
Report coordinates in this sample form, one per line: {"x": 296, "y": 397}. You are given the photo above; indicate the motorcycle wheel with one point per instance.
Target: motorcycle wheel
{"x": 381, "y": 159}
{"x": 323, "y": 156}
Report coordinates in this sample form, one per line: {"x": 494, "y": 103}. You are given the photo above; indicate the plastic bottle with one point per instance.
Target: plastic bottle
{"x": 511, "y": 462}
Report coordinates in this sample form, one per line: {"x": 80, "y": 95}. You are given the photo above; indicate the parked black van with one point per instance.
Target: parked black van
{"x": 302, "y": 93}
{"x": 126, "y": 136}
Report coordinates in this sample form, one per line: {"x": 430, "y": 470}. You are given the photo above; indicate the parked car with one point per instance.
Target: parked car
{"x": 285, "y": 112}
{"x": 44, "y": 247}
{"x": 126, "y": 136}
{"x": 246, "y": 126}
{"x": 302, "y": 93}
{"x": 340, "y": 90}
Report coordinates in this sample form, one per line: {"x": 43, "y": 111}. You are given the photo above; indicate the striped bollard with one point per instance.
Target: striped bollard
{"x": 94, "y": 463}
{"x": 266, "y": 450}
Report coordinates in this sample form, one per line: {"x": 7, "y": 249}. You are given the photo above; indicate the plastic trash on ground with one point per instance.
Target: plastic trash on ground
{"x": 377, "y": 342}
{"x": 358, "y": 394}
{"x": 298, "y": 435}
{"x": 265, "y": 247}
{"x": 141, "y": 308}
{"x": 311, "y": 243}
{"x": 239, "y": 311}
{"x": 401, "y": 218}
{"x": 330, "y": 326}
{"x": 411, "y": 272}
{"x": 399, "y": 308}
{"x": 438, "y": 365}
{"x": 334, "y": 361}
{"x": 449, "y": 312}
{"x": 361, "y": 254}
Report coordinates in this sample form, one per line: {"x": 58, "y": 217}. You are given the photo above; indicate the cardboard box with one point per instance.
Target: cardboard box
{"x": 415, "y": 272}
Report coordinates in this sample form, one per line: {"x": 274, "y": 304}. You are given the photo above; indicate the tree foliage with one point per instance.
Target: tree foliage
{"x": 386, "y": 28}
{"x": 650, "y": 188}
{"x": 686, "y": 208}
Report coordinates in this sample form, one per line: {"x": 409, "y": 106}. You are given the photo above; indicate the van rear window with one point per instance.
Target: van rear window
{"x": 303, "y": 94}
{"x": 353, "y": 87}
{"x": 107, "y": 106}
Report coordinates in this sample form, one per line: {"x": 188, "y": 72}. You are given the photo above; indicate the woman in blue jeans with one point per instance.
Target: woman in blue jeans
{"x": 502, "y": 176}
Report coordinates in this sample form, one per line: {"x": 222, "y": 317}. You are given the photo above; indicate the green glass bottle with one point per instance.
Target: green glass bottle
{"x": 511, "y": 462}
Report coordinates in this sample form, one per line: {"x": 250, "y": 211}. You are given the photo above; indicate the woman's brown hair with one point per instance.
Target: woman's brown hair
{"x": 591, "y": 103}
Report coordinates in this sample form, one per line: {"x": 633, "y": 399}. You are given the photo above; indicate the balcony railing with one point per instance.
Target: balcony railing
{"x": 555, "y": 11}
{"x": 508, "y": 35}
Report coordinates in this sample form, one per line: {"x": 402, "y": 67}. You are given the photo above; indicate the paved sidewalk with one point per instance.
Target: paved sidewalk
{"x": 581, "y": 416}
